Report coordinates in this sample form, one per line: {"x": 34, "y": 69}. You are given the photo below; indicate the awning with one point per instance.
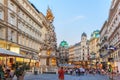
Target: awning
{"x": 9, "y": 53}
{"x": 67, "y": 65}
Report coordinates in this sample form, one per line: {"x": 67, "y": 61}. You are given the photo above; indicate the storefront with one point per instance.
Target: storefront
{"x": 3, "y": 60}
{"x": 8, "y": 58}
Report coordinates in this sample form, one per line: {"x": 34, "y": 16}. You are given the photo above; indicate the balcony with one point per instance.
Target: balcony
{"x": 93, "y": 56}
{"x": 107, "y": 51}
{"x": 102, "y": 55}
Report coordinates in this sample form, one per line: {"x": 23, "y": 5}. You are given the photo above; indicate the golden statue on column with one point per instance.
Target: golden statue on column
{"x": 49, "y": 15}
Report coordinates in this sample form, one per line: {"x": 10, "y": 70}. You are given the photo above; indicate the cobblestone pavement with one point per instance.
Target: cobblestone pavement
{"x": 67, "y": 77}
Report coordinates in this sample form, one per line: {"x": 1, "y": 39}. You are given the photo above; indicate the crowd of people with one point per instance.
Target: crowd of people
{"x": 93, "y": 71}
{"x": 6, "y": 73}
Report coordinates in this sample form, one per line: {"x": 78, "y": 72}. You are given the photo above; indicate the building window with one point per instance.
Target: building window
{"x": 23, "y": 40}
{"x": 12, "y": 4}
{"x": 1, "y": 32}
{"x": 83, "y": 50}
{"x": 1, "y": 1}
{"x": 19, "y": 39}
{"x": 1, "y": 14}
{"x": 116, "y": 18}
{"x": 19, "y": 24}
{"x": 12, "y": 35}
{"x": 12, "y": 21}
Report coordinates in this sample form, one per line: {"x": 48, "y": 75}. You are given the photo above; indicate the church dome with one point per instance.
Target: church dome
{"x": 95, "y": 34}
{"x": 64, "y": 44}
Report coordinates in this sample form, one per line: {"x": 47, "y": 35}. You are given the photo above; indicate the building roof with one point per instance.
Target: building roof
{"x": 64, "y": 44}
{"x": 78, "y": 44}
{"x": 34, "y": 7}
{"x": 95, "y": 34}
{"x": 84, "y": 34}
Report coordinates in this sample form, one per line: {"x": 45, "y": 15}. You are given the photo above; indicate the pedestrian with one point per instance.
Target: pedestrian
{"x": 1, "y": 73}
{"x": 76, "y": 70}
{"x": 71, "y": 71}
{"x": 12, "y": 73}
{"x": 61, "y": 74}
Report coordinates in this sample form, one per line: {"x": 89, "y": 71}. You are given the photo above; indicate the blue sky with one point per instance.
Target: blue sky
{"x": 73, "y": 17}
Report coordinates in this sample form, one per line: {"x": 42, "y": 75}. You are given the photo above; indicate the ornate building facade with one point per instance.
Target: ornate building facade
{"x": 77, "y": 53}
{"x": 84, "y": 48}
{"x": 84, "y": 55}
{"x": 25, "y": 30}
{"x": 112, "y": 35}
{"x": 63, "y": 53}
{"x": 71, "y": 54}
{"x": 74, "y": 54}
{"x": 81, "y": 52}
{"x": 114, "y": 30}
{"x": 94, "y": 48}
{"x": 104, "y": 43}
{"x": 49, "y": 46}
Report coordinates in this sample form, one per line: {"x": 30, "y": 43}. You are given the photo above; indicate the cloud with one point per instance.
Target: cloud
{"x": 72, "y": 20}
{"x": 77, "y": 18}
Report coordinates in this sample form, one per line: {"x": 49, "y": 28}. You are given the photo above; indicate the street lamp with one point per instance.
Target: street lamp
{"x": 39, "y": 54}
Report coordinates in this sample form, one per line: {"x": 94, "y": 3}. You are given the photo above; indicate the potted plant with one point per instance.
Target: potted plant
{"x": 20, "y": 69}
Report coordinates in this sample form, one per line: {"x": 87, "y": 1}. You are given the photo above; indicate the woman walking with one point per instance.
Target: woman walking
{"x": 61, "y": 74}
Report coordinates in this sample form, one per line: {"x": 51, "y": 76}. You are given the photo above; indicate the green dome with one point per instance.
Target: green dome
{"x": 95, "y": 34}
{"x": 64, "y": 44}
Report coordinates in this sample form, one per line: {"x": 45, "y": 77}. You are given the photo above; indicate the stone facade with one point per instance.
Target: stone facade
{"x": 84, "y": 48}
{"x": 114, "y": 29}
{"x": 25, "y": 30}
{"x": 94, "y": 51}
{"x": 79, "y": 52}
{"x": 110, "y": 36}
{"x": 71, "y": 54}
{"x": 103, "y": 42}
{"x": 63, "y": 53}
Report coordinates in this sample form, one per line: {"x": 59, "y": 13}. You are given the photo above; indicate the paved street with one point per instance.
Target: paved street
{"x": 67, "y": 77}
